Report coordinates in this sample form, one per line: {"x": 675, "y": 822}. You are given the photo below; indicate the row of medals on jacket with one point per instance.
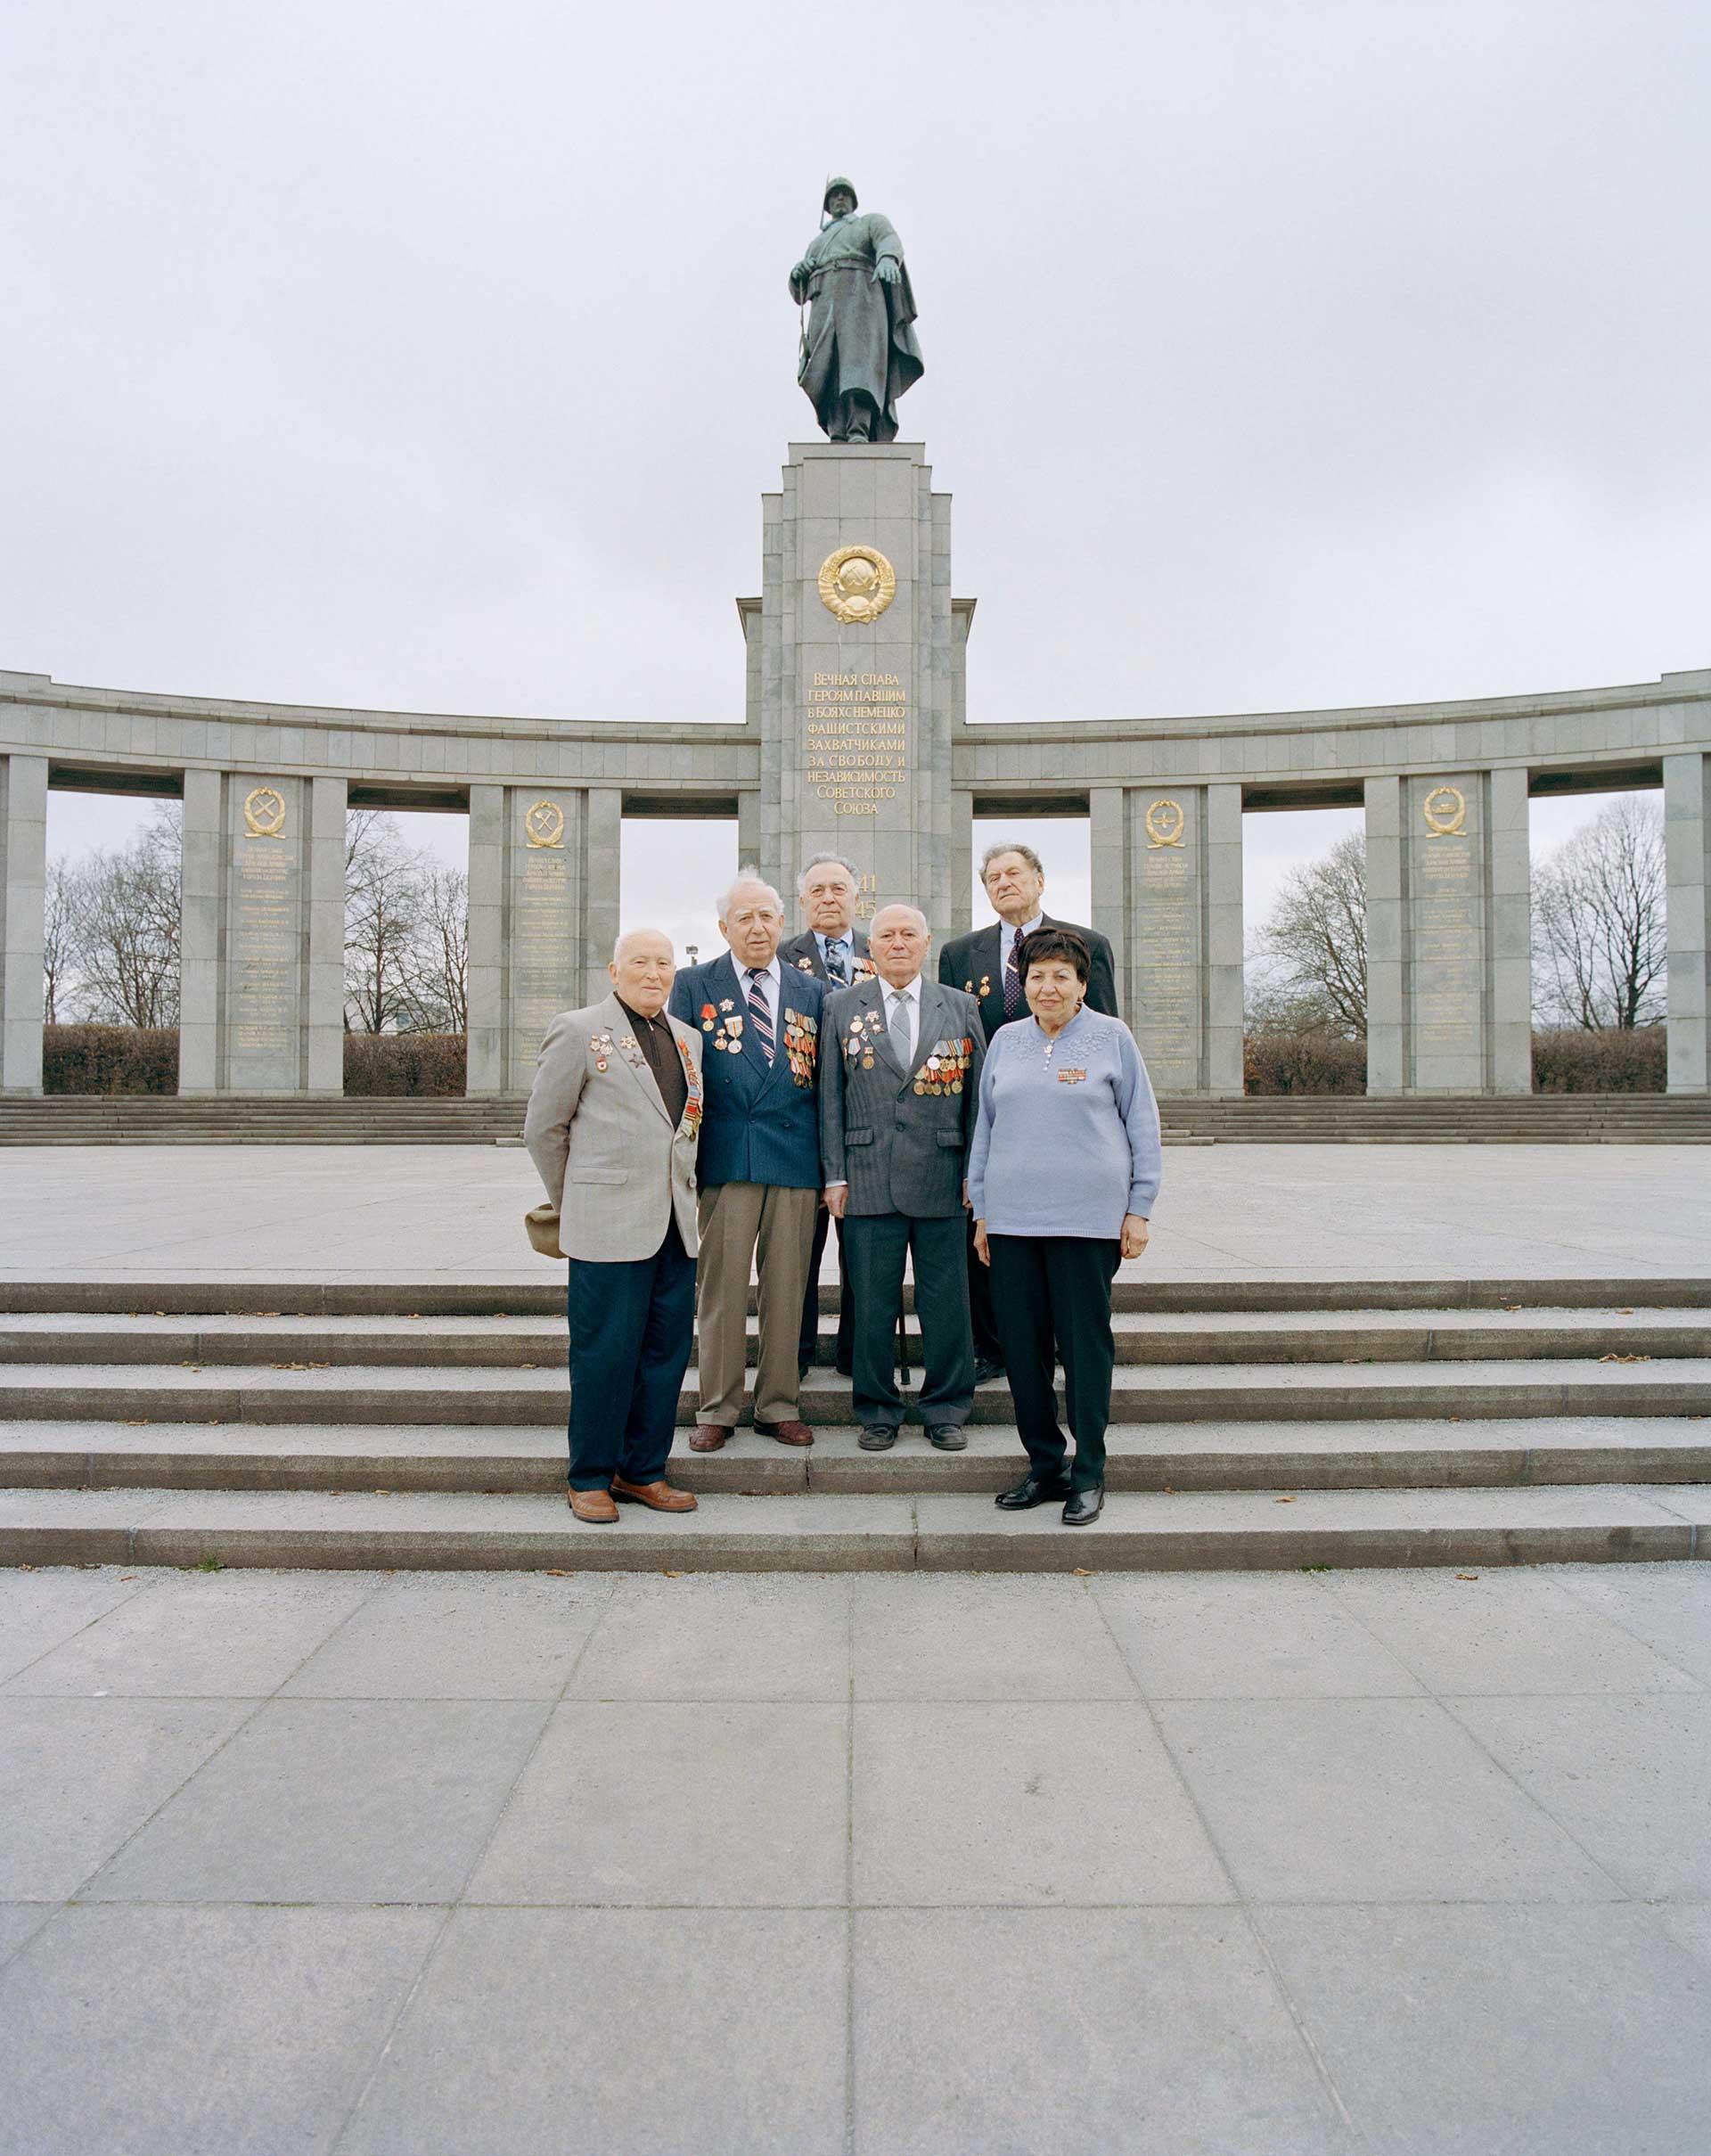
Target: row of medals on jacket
{"x": 943, "y": 1070}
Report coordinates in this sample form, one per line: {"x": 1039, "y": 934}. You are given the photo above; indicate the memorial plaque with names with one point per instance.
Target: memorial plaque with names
{"x": 1167, "y": 953}
{"x": 265, "y": 940}
{"x": 545, "y": 928}
{"x": 1447, "y": 937}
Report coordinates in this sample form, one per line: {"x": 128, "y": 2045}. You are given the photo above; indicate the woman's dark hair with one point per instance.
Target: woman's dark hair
{"x": 1054, "y": 943}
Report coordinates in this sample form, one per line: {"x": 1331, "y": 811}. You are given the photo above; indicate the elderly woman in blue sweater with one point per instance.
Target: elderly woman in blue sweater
{"x": 1063, "y": 1173}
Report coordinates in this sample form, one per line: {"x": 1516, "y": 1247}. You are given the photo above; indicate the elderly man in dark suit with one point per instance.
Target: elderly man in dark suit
{"x": 834, "y": 950}
{"x": 898, "y": 1098}
{"x": 984, "y": 965}
{"x": 759, "y": 1166}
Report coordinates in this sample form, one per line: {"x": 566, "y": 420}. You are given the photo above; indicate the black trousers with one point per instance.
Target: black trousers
{"x": 1055, "y": 1292}
{"x": 811, "y": 1300}
{"x": 876, "y": 1245}
{"x": 632, "y": 1321}
{"x": 987, "y": 1344}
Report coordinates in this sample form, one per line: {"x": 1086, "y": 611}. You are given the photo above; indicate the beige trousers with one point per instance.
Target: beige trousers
{"x": 745, "y": 1226}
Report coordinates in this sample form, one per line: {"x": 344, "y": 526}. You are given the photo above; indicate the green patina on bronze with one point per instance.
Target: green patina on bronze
{"x": 859, "y": 350}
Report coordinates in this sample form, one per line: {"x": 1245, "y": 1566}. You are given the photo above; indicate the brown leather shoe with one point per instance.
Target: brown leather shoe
{"x": 658, "y": 1496}
{"x": 787, "y": 1433}
{"x": 594, "y": 1505}
{"x": 708, "y": 1437}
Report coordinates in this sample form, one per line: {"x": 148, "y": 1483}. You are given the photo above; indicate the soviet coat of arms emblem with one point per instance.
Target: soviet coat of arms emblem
{"x": 857, "y": 583}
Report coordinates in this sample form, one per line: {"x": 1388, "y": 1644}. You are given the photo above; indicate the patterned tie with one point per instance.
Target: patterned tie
{"x": 837, "y": 964}
{"x": 1012, "y": 980}
{"x": 899, "y": 1029}
{"x": 759, "y": 1016}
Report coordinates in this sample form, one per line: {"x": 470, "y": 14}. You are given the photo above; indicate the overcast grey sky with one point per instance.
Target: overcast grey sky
{"x": 436, "y": 357}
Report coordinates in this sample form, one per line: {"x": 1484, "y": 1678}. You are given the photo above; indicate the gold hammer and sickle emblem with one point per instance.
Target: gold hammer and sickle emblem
{"x": 1165, "y": 825}
{"x": 857, "y": 584}
{"x": 263, "y": 812}
{"x": 1445, "y": 810}
{"x": 545, "y": 824}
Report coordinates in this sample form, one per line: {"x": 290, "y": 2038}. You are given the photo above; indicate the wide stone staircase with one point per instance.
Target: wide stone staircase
{"x": 1254, "y": 1424}
{"x": 1573, "y": 1119}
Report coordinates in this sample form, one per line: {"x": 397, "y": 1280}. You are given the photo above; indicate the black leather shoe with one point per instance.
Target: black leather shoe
{"x": 1028, "y": 1493}
{"x": 877, "y": 1438}
{"x": 986, "y": 1370}
{"x": 948, "y": 1437}
{"x": 1084, "y": 1506}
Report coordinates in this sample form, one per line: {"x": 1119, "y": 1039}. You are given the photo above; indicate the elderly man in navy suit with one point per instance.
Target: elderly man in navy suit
{"x": 759, "y": 1165}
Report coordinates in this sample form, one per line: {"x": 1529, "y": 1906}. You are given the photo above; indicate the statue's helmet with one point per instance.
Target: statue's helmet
{"x": 833, "y": 184}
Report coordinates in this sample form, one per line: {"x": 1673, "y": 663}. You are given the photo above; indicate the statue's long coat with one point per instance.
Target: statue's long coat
{"x": 861, "y": 331}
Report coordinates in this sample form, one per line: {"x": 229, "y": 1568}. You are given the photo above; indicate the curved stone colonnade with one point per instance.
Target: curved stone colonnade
{"x": 265, "y": 788}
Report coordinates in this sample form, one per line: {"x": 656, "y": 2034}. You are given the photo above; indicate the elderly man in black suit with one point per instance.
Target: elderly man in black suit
{"x": 984, "y": 965}
{"x": 834, "y": 950}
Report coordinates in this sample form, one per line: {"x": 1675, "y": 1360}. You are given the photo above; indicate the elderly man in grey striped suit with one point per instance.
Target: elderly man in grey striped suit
{"x": 614, "y": 1119}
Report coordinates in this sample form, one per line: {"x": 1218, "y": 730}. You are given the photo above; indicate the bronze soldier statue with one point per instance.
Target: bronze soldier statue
{"x": 859, "y": 352}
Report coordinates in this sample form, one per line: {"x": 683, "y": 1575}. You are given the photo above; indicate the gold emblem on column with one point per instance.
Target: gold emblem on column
{"x": 857, "y": 583}
{"x": 1165, "y": 823}
{"x": 263, "y": 812}
{"x": 1445, "y": 810}
{"x": 545, "y": 824}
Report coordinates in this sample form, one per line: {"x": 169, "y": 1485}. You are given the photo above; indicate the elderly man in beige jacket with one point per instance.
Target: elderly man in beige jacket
{"x": 613, "y": 1122}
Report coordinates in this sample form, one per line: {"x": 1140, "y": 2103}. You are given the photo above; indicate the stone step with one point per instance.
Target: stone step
{"x": 1163, "y": 1339}
{"x": 1191, "y": 1393}
{"x": 508, "y": 1460}
{"x": 1242, "y": 1531}
{"x": 543, "y": 1296}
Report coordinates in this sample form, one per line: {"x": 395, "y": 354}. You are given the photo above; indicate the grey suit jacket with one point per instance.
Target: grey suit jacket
{"x": 598, "y": 1133}
{"x": 899, "y": 1138}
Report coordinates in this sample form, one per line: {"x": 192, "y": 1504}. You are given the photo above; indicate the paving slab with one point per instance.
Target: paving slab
{"x": 241, "y": 1635}
{"x": 335, "y": 1801}
{"x": 1263, "y": 1636}
{"x": 1035, "y": 1804}
{"x": 1159, "y": 2032}
{"x": 40, "y": 1611}
{"x": 629, "y": 2031}
{"x": 948, "y": 1637}
{"x": 674, "y": 1804}
{"x": 78, "y": 1777}
{"x": 481, "y": 1637}
{"x": 201, "y": 2032}
{"x": 1629, "y": 1778}
{"x": 1533, "y": 2031}
{"x": 1368, "y": 1801}
{"x": 714, "y": 1637}
{"x": 20, "y": 1920}
{"x": 1677, "y": 1626}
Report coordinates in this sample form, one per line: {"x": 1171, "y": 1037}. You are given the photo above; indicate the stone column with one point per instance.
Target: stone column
{"x": 603, "y": 837}
{"x": 1687, "y": 842}
{"x": 857, "y": 667}
{"x": 961, "y": 862}
{"x": 1449, "y": 981}
{"x": 262, "y": 949}
{"x": 1108, "y": 838}
{"x": 1181, "y": 867}
{"x": 23, "y": 888}
{"x": 532, "y": 928}
{"x": 752, "y": 850}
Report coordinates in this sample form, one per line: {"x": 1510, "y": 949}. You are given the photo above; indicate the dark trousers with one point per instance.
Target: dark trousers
{"x": 811, "y": 1300}
{"x": 631, "y": 1327}
{"x": 1055, "y": 1292}
{"x": 986, "y": 1344}
{"x": 875, "y": 1246}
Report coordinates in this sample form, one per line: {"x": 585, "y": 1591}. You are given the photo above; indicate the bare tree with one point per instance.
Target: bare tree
{"x": 1315, "y": 942}
{"x": 59, "y": 940}
{"x": 123, "y": 926}
{"x": 1599, "y": 940}
{"x": 383, "y": 880}
{"x": 437, "y": 967}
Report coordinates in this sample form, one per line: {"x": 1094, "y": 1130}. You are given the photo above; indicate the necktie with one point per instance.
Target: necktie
{"x": 1012, "y": 980}
{"x": 837, "y": 964}
{"x": 759, "y": 1016}
{"x": 899, "y": 1029}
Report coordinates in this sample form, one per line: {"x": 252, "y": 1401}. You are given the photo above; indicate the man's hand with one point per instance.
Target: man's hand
{"x": 982, "y": 1248}
{"x": 837, "y": 1199}
{"x": 1135, "y": 1235}
{"x": 885, "y": 270}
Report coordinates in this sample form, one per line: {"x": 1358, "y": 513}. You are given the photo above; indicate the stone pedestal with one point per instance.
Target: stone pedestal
{"x": 262, "y": 946}
{"x": 1687, "y": 842}
{"x": 1448, "y": 934}
{"x": 24, "y": 882}
{"x": 1167, "y": 866}
{"x": 853, "y": 673}
{"x": 543, "y": 919}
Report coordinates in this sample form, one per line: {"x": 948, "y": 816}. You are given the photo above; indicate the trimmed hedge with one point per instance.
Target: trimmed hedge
{"x": 109, "y": 1059}
{"x": 393, "y": 1065}
{"x": 1576, "y": 1058}
{"x": 1303, "y": 1062}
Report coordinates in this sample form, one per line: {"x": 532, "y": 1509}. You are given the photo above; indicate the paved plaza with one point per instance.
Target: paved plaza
{"x": 1278, "y": 1864}
{"x": 1239, "y": 1212}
